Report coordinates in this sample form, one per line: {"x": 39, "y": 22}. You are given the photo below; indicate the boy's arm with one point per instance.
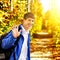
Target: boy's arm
{"x": 8, "y": 41}
{"x": 11, "y": 37}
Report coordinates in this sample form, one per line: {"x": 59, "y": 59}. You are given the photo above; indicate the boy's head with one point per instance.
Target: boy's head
{"x": 28, "y": 20}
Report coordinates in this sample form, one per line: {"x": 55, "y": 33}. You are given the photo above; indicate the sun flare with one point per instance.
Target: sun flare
{"x": 50, "y": 4}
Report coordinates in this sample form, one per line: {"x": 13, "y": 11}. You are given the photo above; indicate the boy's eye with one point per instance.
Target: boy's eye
{"x": 29, "y": 20}
{"x": 32, "y": 20}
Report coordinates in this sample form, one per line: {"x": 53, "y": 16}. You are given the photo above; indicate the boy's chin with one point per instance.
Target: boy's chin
{"x": 29, "y": 27}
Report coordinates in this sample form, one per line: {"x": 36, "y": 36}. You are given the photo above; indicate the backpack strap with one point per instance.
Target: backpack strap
{"x": 15, "y": 44}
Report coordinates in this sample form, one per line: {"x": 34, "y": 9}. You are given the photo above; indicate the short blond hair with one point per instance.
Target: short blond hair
{"x": 28, "y": 15}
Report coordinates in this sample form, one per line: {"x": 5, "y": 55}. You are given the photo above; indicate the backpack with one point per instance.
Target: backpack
{"x": 6, "y": 53}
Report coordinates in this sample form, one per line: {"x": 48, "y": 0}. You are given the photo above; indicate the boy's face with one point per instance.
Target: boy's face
{"x": 28, "y": 23}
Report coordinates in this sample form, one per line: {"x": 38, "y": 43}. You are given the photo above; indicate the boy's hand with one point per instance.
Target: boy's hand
{"x": 15, "y": 31}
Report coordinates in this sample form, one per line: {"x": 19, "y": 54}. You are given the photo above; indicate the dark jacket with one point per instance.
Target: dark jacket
{"x": 9, "y": 41}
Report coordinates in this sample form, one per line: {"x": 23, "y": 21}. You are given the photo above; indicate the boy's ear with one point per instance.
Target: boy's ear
{"x": 21, "y": 20}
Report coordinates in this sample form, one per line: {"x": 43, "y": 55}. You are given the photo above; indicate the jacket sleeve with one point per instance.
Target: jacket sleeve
{"x": 8, "y": 41}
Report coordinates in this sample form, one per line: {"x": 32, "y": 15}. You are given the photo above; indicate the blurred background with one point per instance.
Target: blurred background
{"x": 45, "y": 34}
